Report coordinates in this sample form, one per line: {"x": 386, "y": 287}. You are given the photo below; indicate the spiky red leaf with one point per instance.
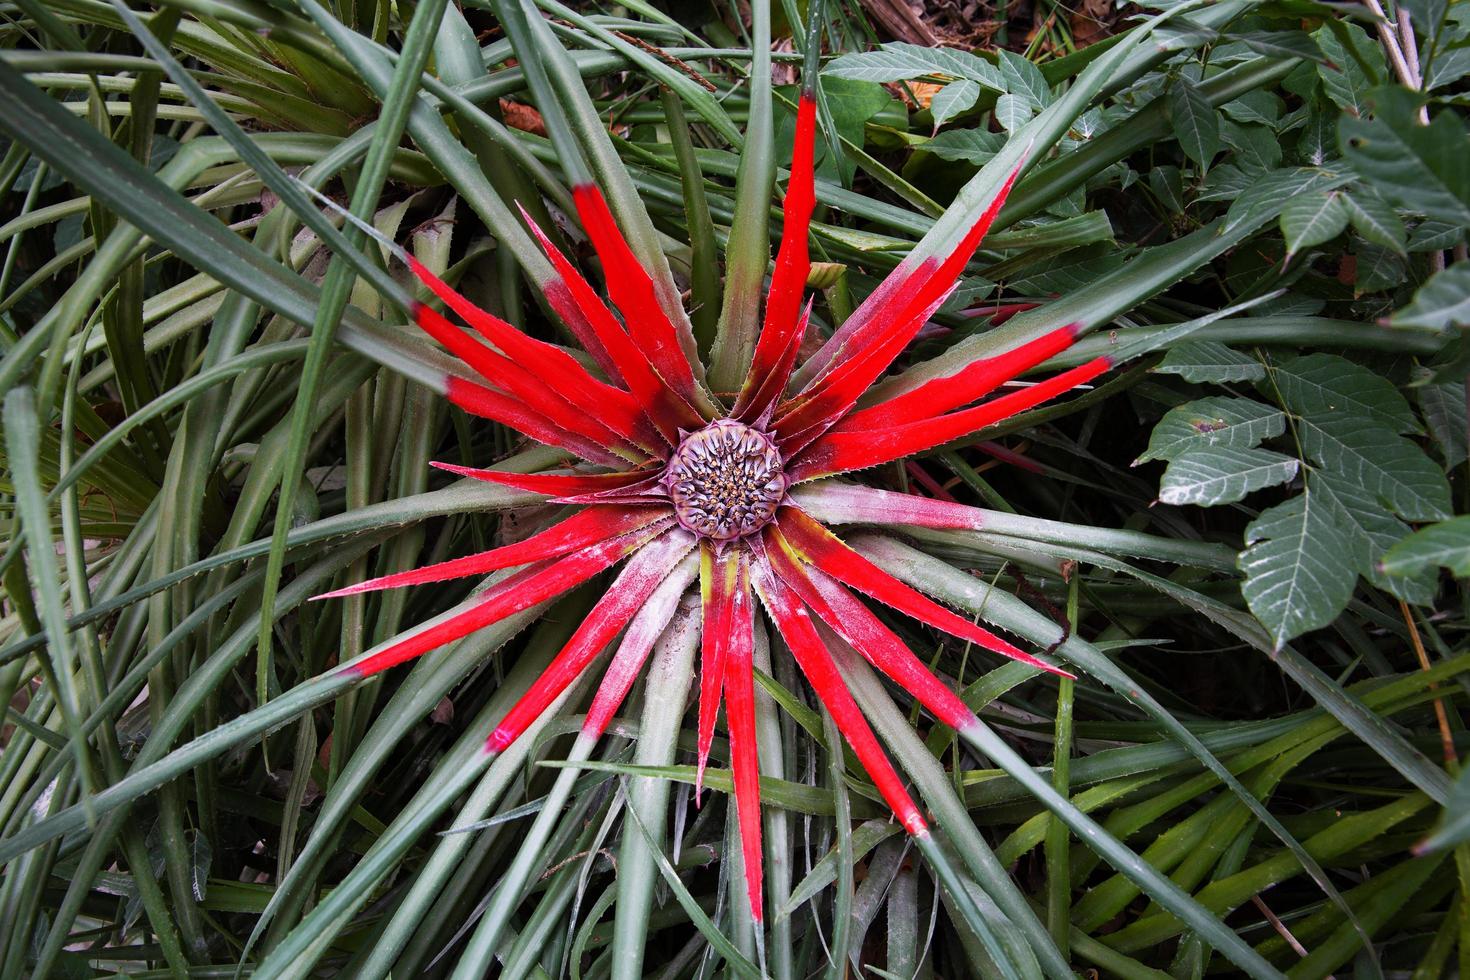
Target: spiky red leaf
{"x": 542, "y": 581}
{"x": 840, "y": 452}
{"x": 628, "y": 593}
{"x": 970, "y": 383}
{"x": 633, "y": 292}
{"x": 664, "y": 407}
{"x": 806, "y": 645}
{"x": 782, "y": 330}
{"x": 588, "y": 527}
{"x": 820, "y": 547}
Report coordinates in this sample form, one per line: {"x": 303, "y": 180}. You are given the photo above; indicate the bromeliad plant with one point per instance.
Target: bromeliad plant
{"x": 727, "y": 484}
{"x": 733, "y": 488}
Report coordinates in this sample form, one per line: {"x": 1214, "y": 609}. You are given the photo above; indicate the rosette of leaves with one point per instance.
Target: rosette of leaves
{"x": 219, "y": 405}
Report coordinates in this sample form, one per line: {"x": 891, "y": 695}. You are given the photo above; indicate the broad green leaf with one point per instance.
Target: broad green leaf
{"x": 1023, "y": 78}
{"x": 1378, "y": 269}
{"x": 953, "y": 99}
{"x": 1375, "y": 220}
{"x": 1423, "y": 169}
{"x": 1321, "y": 383}
{"x": 970, "y": 145}
{"x": 1218, "y": 422}
{"x": 1222, "y": 475}
{"x": 1343, "y": 74}
{"x": 1386, "y": 465}
{"x": 1195, "y": 121}
{"x": 1298, "y": 568}
{"x": 1261, "y": 108}
{"x": 1013, "y": 111}
{"x": 1257, "y": 148}
{"x": 1433, "y": 235}
{"x": 1444, "y": 410}
{"x": 1373, "y": 531}
{"x": 898, "y": 61}
{"x": 849, "y": 105}
{"x": 1312, "y": 219}
{"x": 1446, "y": 544}
{"x": 1282, "y": 44}
{"x": 1441, "y": 303}
{"x": 1208, "y": 360}
{"x": 1265, "y": 194}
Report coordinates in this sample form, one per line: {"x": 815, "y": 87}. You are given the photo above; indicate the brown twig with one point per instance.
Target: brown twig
{"x": 1447, "y": 739}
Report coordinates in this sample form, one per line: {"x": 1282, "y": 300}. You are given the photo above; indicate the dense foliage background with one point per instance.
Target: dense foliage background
{"x": 1253, "y": 521}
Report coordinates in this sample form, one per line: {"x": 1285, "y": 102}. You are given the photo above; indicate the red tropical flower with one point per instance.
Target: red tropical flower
{"x": 676, "y": 487}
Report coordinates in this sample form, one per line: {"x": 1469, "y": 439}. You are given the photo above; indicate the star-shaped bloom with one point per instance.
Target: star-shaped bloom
{"x": 676, "y": 487}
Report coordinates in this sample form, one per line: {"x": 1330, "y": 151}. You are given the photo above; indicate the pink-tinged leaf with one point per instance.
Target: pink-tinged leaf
{"x": 840, "y": 452}
{"x": 551, "y": 484}
{"x": 633, "y": 293}
{"x": 865, "y": 632}
{"x": 921, "y": 476}
{"x": 835, "y": 394}
{"x": 831, "y": 502}
{"x": 649, "y": 490}
{"x": 512, "y": 413}
{"x": 744, "y": 751}
{"x": 642, "y": 576}
{"x": 591, "y": 526}
{"x": 795, "y": 626}
{"x": 667, "y": 410}
{"x": 1010, "y": 457}
{"x": 534, "y": 585}
{"x": 793, "y": 264}
{"x": 762, "y": 404}
{"x": 820, "y": 547}
{"x": 970, "y": 383}
{"x": 525, "y": 385}
{"x": 999, "y": 313}
{"x": 638, "y": 640}
{"x": 913, "y": 287}
{"x": 881, "y": 298}
{"x": 719, "y": 573}
{"x": 547, "y": 365}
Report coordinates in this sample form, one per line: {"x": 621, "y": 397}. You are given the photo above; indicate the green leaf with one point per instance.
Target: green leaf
{"x": 1378, "y": 269}
{"x": 1444, "y": 410}
{"x": 970, "y": 145}
{"x": 1343, "y": 74}
{"x": 1446, "y": 544}
{"x": 1313, "y": 219}
{"x": 898, "y": 61}
{"x": 1389, "y": 466}
{"x": 1375, "y": 220}
{"x": 1323, "y": 383}
{"x": 1441, "y": 303}
{"x": 1229, "y": 423}
{"x": 849, "y": 106}
{"x": 1266, "y": 194}
{"x": 1423, "y": 169}
{"x": 1454, "y": 822}
{"x": 1298, "y": 568}
{"x": 1260, "y": 108}
{"x": 953, "y": 99}
{"x": 1207, "y": 360}
{"x": 1257, "y": 148}
{"x": 1024, "y": 78}
{"x": 1013, "y": 111}
{"x": 1282, "y": 44}
{"x": 1373, "y": 531}
{"x": 1221, "y": 475}
{"x": 1194, "y": 120}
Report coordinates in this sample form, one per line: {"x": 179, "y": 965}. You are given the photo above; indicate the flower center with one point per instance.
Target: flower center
{"x": 725, "y": 480}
